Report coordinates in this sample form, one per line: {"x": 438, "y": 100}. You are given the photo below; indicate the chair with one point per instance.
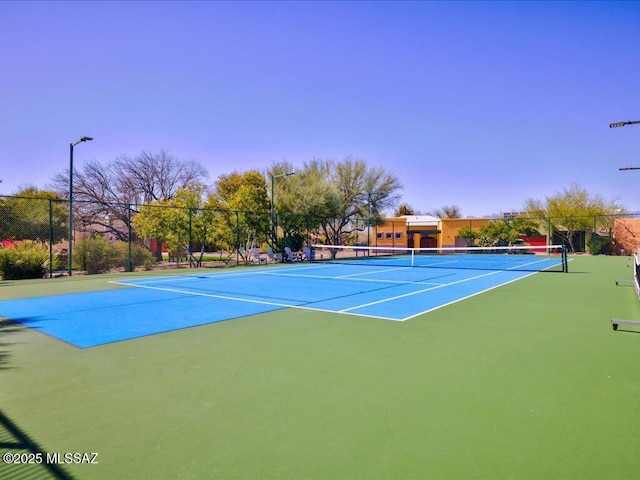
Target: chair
{"x": 289, "y": 254}
{"x": 255, "y": 256}
{"x": 297, "y": 256}
{"x": 273, "y": 257}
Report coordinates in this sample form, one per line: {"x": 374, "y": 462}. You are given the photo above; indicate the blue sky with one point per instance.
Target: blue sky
{"x": 475, "y": 104}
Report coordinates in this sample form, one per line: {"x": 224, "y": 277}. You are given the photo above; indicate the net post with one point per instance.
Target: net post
{"x": 565, "y": 261}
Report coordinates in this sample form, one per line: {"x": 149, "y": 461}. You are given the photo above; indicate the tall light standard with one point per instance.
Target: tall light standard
{"x": 71, "y": 145}
{"x": 273, "y": 213}
{"x": 614, "y": 321}
{"x": 622, "y": 124}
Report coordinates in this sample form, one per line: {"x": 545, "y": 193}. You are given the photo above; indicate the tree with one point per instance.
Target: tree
{"x": 404, "y": 209}
{"x": 295, "y": 203}
{"x": 104, "y": 193}
{"x": 336, "y": 198}
{"x": 174, "y": 222}
{"x": 240, "y": 207}
{"x": 447, "y": 211}
{"x": 34, "y": 214}
{"x": 505, "y": 231}
{"x": 572, "y": 210}
{"x": 469, "y": 234}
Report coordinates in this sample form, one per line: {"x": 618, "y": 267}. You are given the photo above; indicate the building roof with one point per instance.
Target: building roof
{"x": 421, "y": 220}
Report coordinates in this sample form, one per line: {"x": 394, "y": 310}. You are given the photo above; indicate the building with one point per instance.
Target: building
{"x": 412, "y": 231}
{"x": 626, "y": 231}
{"x": 426, "y": 231}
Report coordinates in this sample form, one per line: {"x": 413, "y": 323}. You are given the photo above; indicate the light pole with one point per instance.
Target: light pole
{"x": 70, "y": 250}
{"x": 622, "y": 124}
{"x": 273, "y": 213}
{"x": 368, "y": 220}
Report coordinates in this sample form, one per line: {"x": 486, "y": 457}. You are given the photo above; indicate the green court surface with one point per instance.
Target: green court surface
{"x": 525, "y": 381}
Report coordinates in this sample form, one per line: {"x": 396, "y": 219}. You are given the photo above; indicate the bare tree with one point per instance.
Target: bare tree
{"x": 447, "y": 211}
{"x": 104, "y": 194}
{"x": 156, "y": 176}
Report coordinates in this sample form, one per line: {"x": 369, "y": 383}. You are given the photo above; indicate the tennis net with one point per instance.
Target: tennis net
{"x": 520, "y": 258}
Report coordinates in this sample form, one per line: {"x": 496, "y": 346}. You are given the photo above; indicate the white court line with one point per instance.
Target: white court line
{"x": 186, "y": 277}
{"x": 277, "y": 272}
{"x": 261, "y": 302}
{"x": 419, "y": 291}
{"x": 372, "y": 273}
{"x": 302, "y": 307}
{"x": 468, "y": 296}
{"x": 350, "y": 278}
{"x": 210, "y": 295}
{"x": 348, "y": 311}
{"x": 446, "y": 285}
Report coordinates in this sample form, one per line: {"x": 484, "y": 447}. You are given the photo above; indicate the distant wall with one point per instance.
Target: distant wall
{"x": 626, "y": 231}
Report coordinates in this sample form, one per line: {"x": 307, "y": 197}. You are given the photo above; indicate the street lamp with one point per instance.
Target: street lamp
{"x": 623, "y": 123}
{"x": 70, "y": 250}
{"x": 273, "y": 215}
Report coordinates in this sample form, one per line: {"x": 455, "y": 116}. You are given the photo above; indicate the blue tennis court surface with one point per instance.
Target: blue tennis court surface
{"x": 161, "y": 304}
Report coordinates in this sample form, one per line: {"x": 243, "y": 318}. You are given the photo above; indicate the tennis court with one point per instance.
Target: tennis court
{"x": 373, "y": 287}
{"x": 524, "y": 380}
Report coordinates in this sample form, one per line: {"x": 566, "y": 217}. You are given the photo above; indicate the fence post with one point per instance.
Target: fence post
{"x": 129, "y": 262}
{"x": 190, "y": 246}
{"x": 50, "y": 238}
{"x": 237, "y": 238}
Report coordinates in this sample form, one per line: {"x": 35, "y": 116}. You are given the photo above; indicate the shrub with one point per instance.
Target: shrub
{"x": 140, "y": 256}
{"x": 27, "y": 260}
{"x": 94, "y": 255}
{"x": 601, "y": 245}
{"x": 98, "y": 255}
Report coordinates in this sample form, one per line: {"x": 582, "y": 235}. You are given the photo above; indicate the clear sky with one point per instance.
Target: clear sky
{"x": 476, "y": 104}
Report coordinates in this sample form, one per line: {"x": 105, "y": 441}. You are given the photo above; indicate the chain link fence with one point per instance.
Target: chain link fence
{"x": 109, "y": 236}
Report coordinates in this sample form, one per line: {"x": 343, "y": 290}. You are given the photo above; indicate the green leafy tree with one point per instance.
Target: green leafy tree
{"x": 506, "y": 230}
{"x": 239, "y": 211}
{"x": 300, "y": 201}
{"x": 404, "y": 209}
{"x": 174, "y": 222}
{"x": 33, "y": 214}
{"x": 469, "y": 234}
{"x": 497, "y": 232}
{"x": 503, "y": 231}
{"x": 572, "y": 210}
{"x": 334, "y": 198}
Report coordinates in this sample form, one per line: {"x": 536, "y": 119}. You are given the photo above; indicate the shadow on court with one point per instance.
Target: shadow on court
{"x": 7, "y": 327}
{"x": 33, "y": 460}
{"x": 13, "y": 440}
